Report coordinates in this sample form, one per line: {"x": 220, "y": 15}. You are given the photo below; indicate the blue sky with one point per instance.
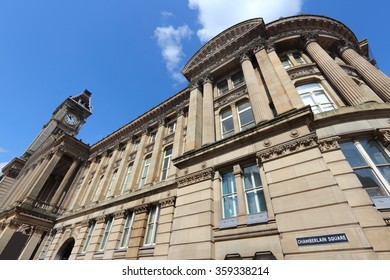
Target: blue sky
{"x": 128, "y": 53}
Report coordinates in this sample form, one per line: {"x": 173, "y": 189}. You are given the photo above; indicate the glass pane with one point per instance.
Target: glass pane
{"x": 230, "y": 206}
{"x": 299, "y": 59}
{"x": 352, "y": 154}
{"x": 228, "y": 184}
{"x": 125, "y": 237}
{"x": 226, "y": 114}
{"x": 227, "y": 125}
{"x": 256, "y": 201}
{"x": 148, "y": 238}
{"x": 251, "y": 175}
{"x": 307, "y": 100}
{"x": 307, "y": 87}
{"x": 237, "y": 79}
{"x": 377, "y": 155}
{"x": 320, "y": 97}
{"x": 222, "y": 87}
{"x": 370, "y": 182}
{"x": 385, "y": 171}
{"x": 168, "y": 151}
{"x": 327, "y": 107}
{"x": 246, "y": 117}
{"x": 243, "y": 106}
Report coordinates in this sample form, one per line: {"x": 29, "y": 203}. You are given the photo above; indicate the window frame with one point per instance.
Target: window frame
{"x": 145, "y": 170}
{"x": 152, "y": 226}
{"x": 106, "y": 233}
{"x": 87, "y": 241}
{"x": 127, "y": 228}
{"x": 311, "y": 92}
{"x": 129, "y": 170}
{"x": 254, "y": 189}
{"x": 112, "y": 182}
{"x": 239, "y": 113}
{"x": 165, "y": 171}
{"x": 230, "y": 117}
{"x": 232, "y": 195}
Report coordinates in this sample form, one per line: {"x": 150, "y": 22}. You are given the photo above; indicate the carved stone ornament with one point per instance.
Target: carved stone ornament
{"x": 203, "y": 175}
{"x": 383, "y": 136}
{"x": 170, "y": 201}
{"x": 309, "y": 37}
{"x": 120, "y": 214}
{"x": 287, "y": 148}
{"x": 144, "y": 208}
{"x": 25, "y": 229}
{"x": 343, "y": 45}
{"x": 329, "y": 144}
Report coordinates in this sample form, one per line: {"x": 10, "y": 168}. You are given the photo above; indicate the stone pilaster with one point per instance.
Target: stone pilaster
{"x": 177, "y": 148}
{"x": 137, "y": 232}
{"x": 208, "y": 127}
{"x": 194, "y": 127}
{"x": 155, "y": 160}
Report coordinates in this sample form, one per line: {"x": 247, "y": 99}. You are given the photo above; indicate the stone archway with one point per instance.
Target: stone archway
{"x": 65, "y": 250}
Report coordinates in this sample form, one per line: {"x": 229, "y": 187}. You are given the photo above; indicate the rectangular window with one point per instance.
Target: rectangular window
{"x": 237, "y": 79}
{"x": 254, "y": 194}
{"x": 145, "y": 171}
{"x": 112, "y": 183}
{"x": 299, "y": 59}
{"x": 229, "y": 195}
{"x": 222, "y": 87}
{"x": 136, "y": 145}
{"x": 371, "y": 164}
{"x": 245, "y": 115}
{"x": 126, "y": 181}
{"x": 127, "y": 231}
{"x": 151, "y": 229}
{"x": 314, "y": 95}
{"x": 106, "y": 234}
{"x": 89, "y": 236}
{"x": 171, "y": 127}
{"x": 227, "y": 123}
{"x": 286, "y": 62}
{"x": 153, "y": 137}
{"x": 166, "y": 163}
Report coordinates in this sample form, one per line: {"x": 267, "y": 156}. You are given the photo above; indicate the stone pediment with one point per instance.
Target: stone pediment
{"x": 223, "y": 43}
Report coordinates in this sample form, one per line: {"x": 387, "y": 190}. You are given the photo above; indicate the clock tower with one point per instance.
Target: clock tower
{"x": 68, "y": 118}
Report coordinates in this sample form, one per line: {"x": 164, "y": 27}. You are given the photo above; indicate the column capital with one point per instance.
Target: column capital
{"x": 342, "y": 45}
{"x": 207, "y": 79}
{"x": 195, "y": 85}
{"x": 260, "y": 45}
{"x": 309, "y": 37}
{"x": 244, "y": 56}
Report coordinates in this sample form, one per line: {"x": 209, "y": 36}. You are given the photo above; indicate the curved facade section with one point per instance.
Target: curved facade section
{"x": 278, "y": 149}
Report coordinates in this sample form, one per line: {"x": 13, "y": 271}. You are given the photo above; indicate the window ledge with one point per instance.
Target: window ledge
{"x": 381, "y": 202}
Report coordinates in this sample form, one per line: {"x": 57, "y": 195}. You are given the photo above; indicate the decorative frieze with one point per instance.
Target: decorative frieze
{"x": 144, "y": 208}
{"x": 329, "y": 144}
{"x": 203, "y": 175}
{"x": 287, "y": 148}
{"x": 120, "y": 214}
{"x": 229, "y": 97}
{"x": 169, "y": 139}
{"x": 303, "y": 71}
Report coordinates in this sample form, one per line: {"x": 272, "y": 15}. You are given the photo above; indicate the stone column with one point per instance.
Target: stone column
{"x": 194, "y": 127}
{"x": 6, "y": 236}
{"x": 137, "y": 232}
{"x": 177, "y": 141}
{"x": 377, "y": 80}
{"x": 45, "y": 174}
{"x": 275, "y": 87}
{"x": 32, "y": 242}
{"x": 69, "y": 174}
{"x": 343, "y": 83}
{"x": 155, "y": 163}
{"x": 208, "y": 129}
{"x": 256, "y": 91}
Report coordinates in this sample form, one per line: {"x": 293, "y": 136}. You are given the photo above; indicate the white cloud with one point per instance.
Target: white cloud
{"x": 2, "y": 164}
{"x": 169, "y": 39}
{"x": 218, "y": 15}
{"x": 2, "y": 150}
{"x": 166, "y": 14}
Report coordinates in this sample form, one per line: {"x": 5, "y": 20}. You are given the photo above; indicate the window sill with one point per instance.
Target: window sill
{"x": 381, "y": 202}
{"x": 251, "y": 219}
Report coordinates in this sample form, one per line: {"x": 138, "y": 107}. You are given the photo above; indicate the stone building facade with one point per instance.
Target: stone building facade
{"x": 277, "y": 149}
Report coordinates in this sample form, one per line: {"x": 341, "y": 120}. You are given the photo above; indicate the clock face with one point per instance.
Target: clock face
{"x": 71, "y": 119}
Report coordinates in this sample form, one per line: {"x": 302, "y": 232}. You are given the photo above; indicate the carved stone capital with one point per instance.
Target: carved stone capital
{"x": 203, "y": 175}
{"x": 244, "y": 56}
{"x": 329, "y": 144}
{"x": 383, "y": 135}
{"x": 342, "y": 45}
{"x": 309, "y": 37}
{"x": 290, "y": 147}
{"x": 167, "y": 202}
{"x": 207, "y": 79}
{"x": 120, "y": 214}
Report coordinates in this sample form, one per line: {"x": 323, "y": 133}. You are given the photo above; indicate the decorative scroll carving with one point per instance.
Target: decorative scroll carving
{"x": 167, "y": 202}
{"x": 203, "y": 175}
{"x": 383, "y": 136}
{"x": 329, "y": 144}
{"x": 144, "y": 208}
{"x": 309, "y": 36}
{"x": 287, "y": 148}
{"x": 302, "y": 71}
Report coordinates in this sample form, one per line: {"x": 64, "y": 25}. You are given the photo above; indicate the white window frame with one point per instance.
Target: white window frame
{"x": 230, "y": 132}
{"x": 171, "y": 127}
{"x": 317, "y": 105}
{"x": 249, "y": 124}
{"x": 253, "y": 189}
{"x": 164, "y": 171}
{"x": 112, "y": 182}
{"x": 91, "y": 230}
{"x": 127, "y": 177}
{"x": 145, "y": 170}
{"x": 106, "y": 234}
{"x": 127, "y": 227}
{"x": 151, "y": 228}
{"x": 232, "y": 194}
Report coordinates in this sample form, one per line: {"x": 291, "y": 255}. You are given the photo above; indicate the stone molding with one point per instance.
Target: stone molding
{"x": 329, "y": 144}
{"x": 120, "y": 214}
{"x": 287, "y": 148}
{"x": 167, "y": 202}
{"x": 303, "y": 71}
{"x": 144, "y": 208}
{"x": 229, "y": 97}
{"x": 200, "y": 176}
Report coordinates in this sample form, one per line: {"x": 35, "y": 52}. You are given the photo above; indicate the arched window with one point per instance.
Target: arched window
{"x": 313, "y": 94}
